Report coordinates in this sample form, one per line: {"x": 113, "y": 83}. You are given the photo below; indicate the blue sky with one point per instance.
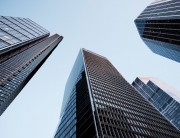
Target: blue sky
{"x": 102, "y": 26}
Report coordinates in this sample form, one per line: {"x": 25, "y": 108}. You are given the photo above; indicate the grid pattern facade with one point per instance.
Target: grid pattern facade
{"x": 159, "y": 27}
{"x": 118, "y": 110}
{"x": 163, "y": 102}
{"x": 76, "y": 114}
{"x": 121, "y": 110}
{"x": 24, "y": 47}
{"x": 17, "y": 70}
{"x": 15, "y": 31}
{"x": 7, "y": 55}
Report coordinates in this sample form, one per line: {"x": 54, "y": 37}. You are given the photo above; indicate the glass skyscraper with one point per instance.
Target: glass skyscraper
{"x": 24, "y": 47}
{"x": 163, "y": 97}
{"x": 159, "y": 28}
{"x": 99, "y": 103}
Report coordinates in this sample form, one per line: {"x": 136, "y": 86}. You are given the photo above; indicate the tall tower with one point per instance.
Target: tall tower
{"x": 162, "y": 96}
{"x": 99, "y": 103}
{"x": 24, "y": 47}
{"x": 159, "y": 28}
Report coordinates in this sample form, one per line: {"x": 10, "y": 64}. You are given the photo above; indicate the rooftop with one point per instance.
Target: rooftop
{"x": 162, "y": 85}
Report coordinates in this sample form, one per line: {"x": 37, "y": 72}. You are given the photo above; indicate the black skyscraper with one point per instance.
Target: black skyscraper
{"x": 99, "y": 103}
{"x": 159, "y": 28}
{"x": 24, "y": 47}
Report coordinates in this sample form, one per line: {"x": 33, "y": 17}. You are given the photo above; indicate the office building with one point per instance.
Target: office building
{"x": 162, "y": 96}
{"x": 99, "y": 103}
{"x": 24, "y": 47}
{"x": 159, "y": 27}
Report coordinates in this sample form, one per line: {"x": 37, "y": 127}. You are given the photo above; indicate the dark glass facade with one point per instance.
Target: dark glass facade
{"x": 164, "y": 98}
{"x": 19, "y": 60}
{"x": 99, "y": 103}
{"x": 159, "y": 28}
{"x": 77, "y": 119}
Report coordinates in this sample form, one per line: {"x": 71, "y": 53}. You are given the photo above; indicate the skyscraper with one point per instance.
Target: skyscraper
{"x": 159, "y": 28}
{"x": 99, "y": 103}
{"x": 162, "y": 96}
{"x": 24, "y": 47}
